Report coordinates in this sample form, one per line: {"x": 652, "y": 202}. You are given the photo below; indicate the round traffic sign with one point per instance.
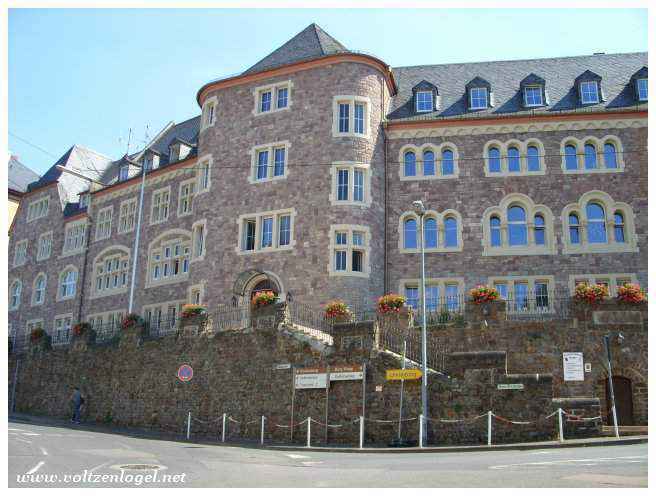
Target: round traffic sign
{"x": 185, "y": 372}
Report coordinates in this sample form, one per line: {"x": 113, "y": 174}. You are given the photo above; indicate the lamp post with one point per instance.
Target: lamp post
{"x": 620, "y": 338}
{"x": 419, "y": 209}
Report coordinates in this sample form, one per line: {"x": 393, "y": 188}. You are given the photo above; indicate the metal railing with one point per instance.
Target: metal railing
{"x": 537, "y": 307}
{"x": 60, "y": 338}
{"x": 107, "y": 333}
{"x": 161, "y": 327}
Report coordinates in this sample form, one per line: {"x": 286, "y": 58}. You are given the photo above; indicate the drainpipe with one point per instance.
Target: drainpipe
{"x": 382, "y": 111}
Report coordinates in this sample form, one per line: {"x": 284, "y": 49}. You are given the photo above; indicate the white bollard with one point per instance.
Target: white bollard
{"x": 489, "y": 428}
{"x": 223, "y": 430}
{"x": 561, "y": 437}
{"x": 262, "y": 431}
{"x": 421, "y": 430}
{"x": 361, "y": 432}
{"x": 308, "y": 431}
{"x": 188, "y": 424}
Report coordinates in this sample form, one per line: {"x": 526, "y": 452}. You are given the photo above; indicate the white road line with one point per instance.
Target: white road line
{"x": 36, "y": 467}
{"x": 43, "y": 450}
{"x": 311, "y": 463}
{"x": 12, "y": 429}
{"x": 296, "y": 456}
{"x": 30, "y": 434}
{"x": 91, "y": 470}
{"x": 579, "y": 460}
{"x": 22, "y": 440}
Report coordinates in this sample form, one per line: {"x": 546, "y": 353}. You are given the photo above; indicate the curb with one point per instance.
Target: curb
{"x": 629, "y": 440}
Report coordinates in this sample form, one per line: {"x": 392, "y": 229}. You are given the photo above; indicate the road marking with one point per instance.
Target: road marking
{"x": 12, "y": 429}
{"x": 579, "y": 460}
{"x": 541, "y": 452}
{"x": 296, "y": 456}
{"x": 91, "y": 470}
{"x": 30, "y": 434}
{"x": 36, "y": 467}
{"x": 22, "y": 440}
{"x": 311, "y": 463}
{"x": 43, "y": 450}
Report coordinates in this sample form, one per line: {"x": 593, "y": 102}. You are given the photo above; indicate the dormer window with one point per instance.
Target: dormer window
{"x": 589, "y": 92}
{"x": 478, "y": 98}
{"x": 533, "y": 96}
{"x": 84, "y": 200}
{"x": 424, "y": 101}
{"x": 641, "y": 88}
{"x": 532, "y": 91}
{"x": 639, "y": 83}
{"x": 151, "y": 161}
{"x": 123, "y": 172}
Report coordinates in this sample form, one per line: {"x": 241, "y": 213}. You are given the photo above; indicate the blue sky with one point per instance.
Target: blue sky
{"x": 87, "y": 76}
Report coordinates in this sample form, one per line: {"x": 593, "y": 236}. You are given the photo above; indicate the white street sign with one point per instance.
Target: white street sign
{"x": 310, "y": 381}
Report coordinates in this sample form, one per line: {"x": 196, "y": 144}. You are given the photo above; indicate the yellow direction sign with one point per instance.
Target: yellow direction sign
{"x": 402, "y": 374}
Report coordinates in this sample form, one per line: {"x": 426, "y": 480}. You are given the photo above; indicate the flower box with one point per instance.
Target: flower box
{"x": 590, "y": 294}
{"x": 483, "y": 294}
{"x": 263, "y": 299}
{"x": 631, "y": 294}
{"x": 131, "y": 320}
{"x": 337, "y": 311}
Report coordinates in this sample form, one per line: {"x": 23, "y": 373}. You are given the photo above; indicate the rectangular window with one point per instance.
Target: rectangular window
{"x": 104, "y": 223}
{"x": 123, "y": 173}
{"x": 349, "y": 246}
{"x": 340, "y": 260}
{"x": 204, "y": 176}
{"x": 541, "y": 295}
{"x": 589, "y": 92}
{"x": 20, "y": 253}
{"x": 358, "y": 185}
{"x": 282, "y": 97}
{"x": 265, "y": 101}
{"x": 502, "y": 289}
{"x": 344, "y": 117}
{"x": 642, "y": 89}
{"x": 45, "y": 246}
{"x": 249, "y": 235}
{"x": 74, "y": 237}
{"x": 199, "y": 240}
{"x": 424, "y": 101}
{"x": 185, "y": 198}
{"x": 127, "y": 215}
{"x": 521, "y": 295}
{"x": 262, "y": 164}
{"x": 38, "y": 209}
{"x": 160, "y": 206}
{"x": 432, "y": 298}
{"x": 279, "y": 162}
{"x": 284, "y": 235}
{"x": 356, "y": 261}
{"x": 342, "y": 184}
{"x": 412, "y": 297}
{"x": 478, "y": 98}
{"x": 358, "y": 119}
{"x": 267, "y": 232}
{"x": 533, "y": 96}
{"x": 340, "y": 238}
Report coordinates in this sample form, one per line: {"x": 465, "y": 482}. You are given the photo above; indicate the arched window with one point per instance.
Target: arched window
{"x": 67, "y": 283}
{"x": 495, "y": 231}
{"x": 571, "y": 161}
{"x": 610, "y": 156}
{"x": 409, "y": 164}
{"x": 39, "y": 293}
{"x": 15, "y": 295}
{"x": 596, "y": 223}
{"x": 450, "y": 232}
{"x": 429, "y": 163}
{"x": 574, "y": 229}
{"x": 410, "y": 233}
{"x": 590, "y": 155}
{"x": 447, "y": 162}
{"x": 533, "y": 158}
{"x": 430, "y": 233}
{"x": 517, "y": 231}
{"x": 513, "y": 159}
{"x": 619, "y": 227}
{"x": 110, "y": 271}
{"x": 494, "y": 159}
{"x": 539, "y": 229}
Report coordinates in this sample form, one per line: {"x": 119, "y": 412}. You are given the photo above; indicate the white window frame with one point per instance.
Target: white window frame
{"x": 597, "y": 96}
{"x": 579, "y": 144}
{"x": 38, "y": 209}
{"x": 190, "y": 184}
{"x": 432, "y": 102}
{"x": 640, "y": 99}
{"x": 270, "y": 149}
{"x": 530, "y": 281}
{"x": 199, "y": 224}
{"x": 349, "y": 247}
{"x": 99, "y": 270}
{"x": 351, "y": 100}
{"x": 471, "y": 97}
{"x": 67, "y": 229}
{"x": 204, "y": 161}
{"x": 19, "y": 296}
{"x": 20, "y": 252}
{"x": 101, "y": 319}
{"x": 273, "y": 88}
{"x": 104, "y": 223}
{"x": 44, "y": 246}
{"x": 522, "y": 147}
{"x": 33, "y": 324}
{"x": 533, "y": 87}
{"x": 441, "y": 282}
{"x": 258, "y": 217}
{"x": 34, "y": 302}
{"x": 209, "y": 113}
{"x": 437, "y": 150}
{"x": 160, "y": 219}
{"x": 65, "y": 324}
{"x": 351, "y": 167}
{"x": 440, "y": 218}
{"x": 125, "y": 208}
{"x": 60, "y": 280}
{"x": 196, "y": 289}
{"x": 158, "y": 256}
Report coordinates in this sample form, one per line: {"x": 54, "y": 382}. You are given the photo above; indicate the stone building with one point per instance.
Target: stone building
{"x": 299, "y": 175}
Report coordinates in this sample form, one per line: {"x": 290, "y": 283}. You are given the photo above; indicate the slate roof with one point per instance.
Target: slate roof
{"x": 311, "y": 43}
{"x": 19, "y": 175}
{"x": 505, "y": 77}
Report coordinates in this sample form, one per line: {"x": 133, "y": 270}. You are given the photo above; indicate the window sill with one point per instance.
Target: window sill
{"x": 350, "y": 203}
{"x": 450, "y": 249}
{"x": 64, "y": 298}
{"x": 71, "y": 253}
{"x": 348, "y": 273}
{"x": 252, "y": 180}
{"x": 351, "y": 135}
{"x": 199, "y": 258}
{"x": 186, "y": 214}
{"x": 165, "y": 282}
{"x": 541, "y": 172}
{"x": 599, "y": 248}
{"x": 36, "y": 304}
{"x": 523, "y": 250}
{"x": 593, "y": 171}
{"x": 429, "y": 178}
{"x": 258, "y": 113}
{"x": 265, "y": 250}
{"x": 95, "y": 295}
{"x": 125, "y": 232}
{"x": 43, "y": 259}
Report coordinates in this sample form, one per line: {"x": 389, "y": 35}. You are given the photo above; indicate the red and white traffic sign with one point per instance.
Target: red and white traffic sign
{"x": 185, "y": 372}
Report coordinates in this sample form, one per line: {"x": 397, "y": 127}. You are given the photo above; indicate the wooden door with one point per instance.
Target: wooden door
{"x": 623, "y": 401}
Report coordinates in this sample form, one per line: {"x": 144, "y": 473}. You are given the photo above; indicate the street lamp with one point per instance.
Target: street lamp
{"x": 620, "y": 338}
{"x": 419, "y": 209}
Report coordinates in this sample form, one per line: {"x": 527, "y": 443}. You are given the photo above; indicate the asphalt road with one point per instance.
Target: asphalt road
{"x": 85, "y": 457}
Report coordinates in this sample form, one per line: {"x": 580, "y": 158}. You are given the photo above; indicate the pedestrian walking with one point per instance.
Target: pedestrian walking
{"x": 77, "y": 399}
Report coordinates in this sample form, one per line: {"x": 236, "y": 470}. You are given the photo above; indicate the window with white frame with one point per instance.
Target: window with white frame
{"x": 424, "y": 101}
{"x": 169, "y": 258}
{"x": 62, "y": 329}
{"x": 20, "y": 252}
{"x": 351, "y": 116}
{"x": 162, "y": 316}
{"x": 110, "y": 271}
{"x": 517, "y": 226}
{"x": 159, "y": 210}
{"x": 589, "y": 92}
{"x": 203, "y": 173}
{"x": 106, "y": 320}
{"x": 123, "y": 172}
{"x": 592, "y": 155}
{"x": 266, "y": 231}
{"x": 643, "y": 87}
{"x": 525, "y": 294}
{"x": 533, "y": 96}
{"x": 104, "y": 223}
{"x": 30, "y": 325}
{"x": 514, "y": 158}
{"x": 272, "y": 98}
{"x": 75, "y": 237}
{"x": 38, "y": 209}
{"x": 84, "y": 200}
{"x": 598, "y": 224}
{"x": 351, "y": 184}
{"x": 349, "y": 250}
{"x": 127, "y": 215}
{"x": 196, "y": 294}
{"x": 209, "y": 112}
{"x": 186, "y": 196}
{"x": 198, "y": 240}
{"x": 44, "y": 246}
{"x": 478, "y": 98}
{"x": 611, "y": 281}
{"x": 15, "y": 291}
{"x": 442, "y": 232}
{"x": 428, "y": 161}
{"x": 39, "y": 289}
{"x": 67, "y": 283}
{"x": 443, "y": 294}
{"x": 269, "y": 162}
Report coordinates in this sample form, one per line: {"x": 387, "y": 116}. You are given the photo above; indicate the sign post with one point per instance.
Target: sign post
{"x": 327, "y": 396}
{"x": 262, "y": 431}
{"x": 223, "y": 430}
{"x": 291, "y": 421}
{"x": 489, "y": 428}
{"x": 561, "y": 438}
{"x": 401, "y": 396}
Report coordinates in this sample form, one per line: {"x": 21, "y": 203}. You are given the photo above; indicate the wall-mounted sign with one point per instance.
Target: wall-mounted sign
{"x": 185, "y": 372}
{"x": 573, "y": 366}
{"x": 510, "y": 386}
{"x": 588, "y": 367}
{"x": 379, "y": 388}
{"x": 317, "y": 377}
{"x": 310, "y": 381}
{"x": 346, "y": 373}
{"x": 402, "y": 374}
{"x": 282, "y": 366}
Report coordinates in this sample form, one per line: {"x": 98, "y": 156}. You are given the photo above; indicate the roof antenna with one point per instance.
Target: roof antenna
{"x": 127, "y": 150}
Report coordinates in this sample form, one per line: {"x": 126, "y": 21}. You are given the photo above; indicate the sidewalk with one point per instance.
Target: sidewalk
{"x": 170, "y": 436}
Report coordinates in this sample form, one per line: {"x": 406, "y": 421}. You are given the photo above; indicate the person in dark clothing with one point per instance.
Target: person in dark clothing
{"x": 77, "y": 400}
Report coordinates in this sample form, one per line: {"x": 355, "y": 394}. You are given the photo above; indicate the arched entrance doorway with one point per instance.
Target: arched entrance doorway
{"x": 623, "y": 401}
{"x": 264, "y": 285}
{"x": 251, "y": 281}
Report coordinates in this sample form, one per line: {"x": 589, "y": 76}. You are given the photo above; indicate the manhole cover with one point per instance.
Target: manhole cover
{"x": 137, "y": 466}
